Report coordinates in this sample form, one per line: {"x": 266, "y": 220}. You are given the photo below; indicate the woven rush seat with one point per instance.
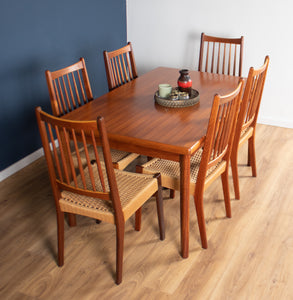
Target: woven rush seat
{"x": 170, "y": 170}
{"x": 133, "y": 189}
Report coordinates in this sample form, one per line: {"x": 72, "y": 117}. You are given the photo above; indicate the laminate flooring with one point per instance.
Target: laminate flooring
{"x": 250, "y": 256}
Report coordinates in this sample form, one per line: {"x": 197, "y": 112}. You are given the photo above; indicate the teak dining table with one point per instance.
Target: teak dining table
{"x": 136, "y": 123}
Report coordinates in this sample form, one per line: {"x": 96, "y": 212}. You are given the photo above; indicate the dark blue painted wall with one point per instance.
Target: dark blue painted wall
{"x": 38, "y": 35}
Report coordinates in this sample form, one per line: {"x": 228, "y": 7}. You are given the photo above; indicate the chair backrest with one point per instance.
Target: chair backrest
{"x": 120, "y": 66}
{"x": 69, "y": 88}
{"x": 78, "y": 169}
{"x": 251, "y": 98}
{"x": 221, "y": 55}
{"x": 221, "y": 129}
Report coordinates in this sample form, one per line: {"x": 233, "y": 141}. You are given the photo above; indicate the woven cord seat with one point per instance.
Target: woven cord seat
{"x": 133, "y": 190}
{"x": 170, "y": 170}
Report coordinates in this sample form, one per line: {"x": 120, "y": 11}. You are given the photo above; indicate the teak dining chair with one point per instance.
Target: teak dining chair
{"x": 69, "y": 88}
{"x": 120, "y": 66}
{"x": 246, "y": 124}
{"x": 221, "y": 55}
{"x": 96, "y": 190}
{"x": 210, "y": 161}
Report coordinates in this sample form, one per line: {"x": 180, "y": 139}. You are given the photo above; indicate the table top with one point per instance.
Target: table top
{"x": 136, "y": 123}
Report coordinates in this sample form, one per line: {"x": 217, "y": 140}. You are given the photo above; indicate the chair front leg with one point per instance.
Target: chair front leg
{"x": 234, "y": 168}
{"x": 198, "y": 201}
{"x": 160, "y": 210}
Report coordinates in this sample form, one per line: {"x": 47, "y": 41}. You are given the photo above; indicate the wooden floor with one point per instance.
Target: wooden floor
{"x": 249, "y": 257}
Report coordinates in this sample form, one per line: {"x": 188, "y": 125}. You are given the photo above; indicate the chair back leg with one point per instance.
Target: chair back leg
{"x": 225, "y": 185}
{"x": 234, "y": 168}
{"x": 251, "y": 154}
{"x": 119, "y": 252}
{"x": 60, "y": 231}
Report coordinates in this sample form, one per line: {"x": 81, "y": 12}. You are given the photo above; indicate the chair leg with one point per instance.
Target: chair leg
{"x": 160, "y": 210}
{"x": 172, "y": 194}
{"x": 71, "y": 220}
{"x": 60, "y": 233}
{"x": 234, "y": 167}
{"x": 248, "y": 155}
{"x": 138, "y": 169}
{"x": 119, "y": 252}
{"x": 138, "y": 219}
{"x": 225, "y": 184}
{"x": 198, "y": 201}
{"x": 251, "y": 153}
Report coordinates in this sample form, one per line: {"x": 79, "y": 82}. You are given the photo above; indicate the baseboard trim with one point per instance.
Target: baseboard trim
{"x": 21, "y": 164}
{"x": 275, "y": 122}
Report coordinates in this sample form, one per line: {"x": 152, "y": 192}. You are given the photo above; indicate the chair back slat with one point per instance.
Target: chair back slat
{"x": 120, "y": 66}
{"x": 221, "y": 128}
{"x": 72, "y": 156}
{"x": 69, "y": 88}
{"x": 223, "y": 57}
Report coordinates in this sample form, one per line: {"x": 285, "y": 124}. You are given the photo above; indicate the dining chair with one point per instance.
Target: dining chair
{"x": 96, "y": 190}
{"x": 69, "y": 88}
{"x": 209, "y": 162}
{"x": 120, "y": 66}
{"x": 221, "y": 55}
{"x": 246, "y": 123}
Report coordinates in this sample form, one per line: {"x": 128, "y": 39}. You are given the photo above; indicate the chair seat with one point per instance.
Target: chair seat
{"x": 170, "y": 170}
{"x": 133, "y": 188}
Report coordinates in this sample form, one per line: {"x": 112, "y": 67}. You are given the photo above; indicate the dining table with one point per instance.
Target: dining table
{"x": 136, "y": 123}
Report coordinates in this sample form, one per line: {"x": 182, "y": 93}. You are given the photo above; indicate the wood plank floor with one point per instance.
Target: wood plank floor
{"x": 250, "y": 256}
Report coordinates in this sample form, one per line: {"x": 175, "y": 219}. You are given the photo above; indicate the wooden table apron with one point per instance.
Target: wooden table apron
{"x": 135, "y": 123}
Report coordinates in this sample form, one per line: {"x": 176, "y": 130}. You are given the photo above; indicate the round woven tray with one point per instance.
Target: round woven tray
{"x": 194, "y": 99}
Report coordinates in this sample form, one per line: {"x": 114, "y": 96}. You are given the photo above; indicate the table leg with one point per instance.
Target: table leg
{"x": 184, "y": 203}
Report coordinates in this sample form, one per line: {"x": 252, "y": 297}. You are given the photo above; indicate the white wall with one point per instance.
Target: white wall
{"x": 167, "y": 33}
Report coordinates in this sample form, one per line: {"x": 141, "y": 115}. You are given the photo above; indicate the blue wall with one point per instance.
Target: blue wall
{"x": 39, "y": 35}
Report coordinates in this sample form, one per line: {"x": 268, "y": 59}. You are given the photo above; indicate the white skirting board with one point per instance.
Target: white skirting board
{"x": 21, "y": 164}
{"x": 274, "y": 122}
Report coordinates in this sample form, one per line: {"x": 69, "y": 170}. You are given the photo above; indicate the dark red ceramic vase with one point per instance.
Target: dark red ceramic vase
{"x": 184, "y": 81}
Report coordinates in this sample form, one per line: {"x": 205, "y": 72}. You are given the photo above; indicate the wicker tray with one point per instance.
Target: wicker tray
{"x": 194, "y": 99}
